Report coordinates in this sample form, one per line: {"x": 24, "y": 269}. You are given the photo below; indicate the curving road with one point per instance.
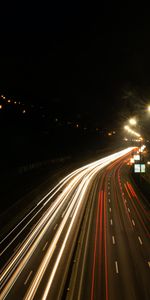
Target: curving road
{"x": 88, "y": 238}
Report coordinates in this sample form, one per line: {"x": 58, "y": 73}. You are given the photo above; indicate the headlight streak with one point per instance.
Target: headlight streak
{"x": 59, "y": 201}
{"x": 39, "y": 275}
{"x": 24, "y": 253}
{"x": 60, "y": 185}
{"x": 78, "y": 197}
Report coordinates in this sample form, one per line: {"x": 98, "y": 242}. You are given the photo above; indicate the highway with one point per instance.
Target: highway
{"x": 88, "y": 238}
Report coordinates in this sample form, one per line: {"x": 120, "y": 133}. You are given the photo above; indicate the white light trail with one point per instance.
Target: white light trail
{"x": 77, "y": 181}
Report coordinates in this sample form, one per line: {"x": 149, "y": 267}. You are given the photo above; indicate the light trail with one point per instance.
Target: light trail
{"x": 79, "y": 181}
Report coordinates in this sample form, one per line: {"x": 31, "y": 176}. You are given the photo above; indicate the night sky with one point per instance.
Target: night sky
{"x": 90, "y": 60}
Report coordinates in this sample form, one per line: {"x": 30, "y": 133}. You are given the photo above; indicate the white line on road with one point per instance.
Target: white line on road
{"x": 133, "y": 222}
{"x": 140, "y": 240}
{"x": 63, "y": 214}
{"x": 110, "y": 209}
{"x": 116, "y": 265}
{"x": 55, "y": 226}
{"x": 111, "y": 222}
{"x": 128, "y": 209}
{"x": 109, "y": 200}
{"x": 44, "y": 246}
{"x": 28, "y": 277}
{"x": 113, "y": 239}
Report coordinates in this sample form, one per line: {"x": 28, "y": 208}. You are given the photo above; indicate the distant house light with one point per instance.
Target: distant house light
{"x": 9, "y": 101}
{"x": 1, "y": 106}
{"x": 24, "y": 111}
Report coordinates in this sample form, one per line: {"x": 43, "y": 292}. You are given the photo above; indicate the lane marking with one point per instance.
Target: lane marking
{"x": 63, "y": 214}
{"x": 133, "y": 222}
{"x": 110, "y": 209}
{"x": 140, "y": 240}
{"x": 128, "y": 209}
{"x": 108, "y": 193}
{"x": 44, "y": 246}
{"x": 111, "y": 222}
{"x": 113, "y": 239}
{"x": 28, "y": 277}
{"x": 116, "y": 266}
{"x": 55, "y": 226}
{"x": 109, "y": 200}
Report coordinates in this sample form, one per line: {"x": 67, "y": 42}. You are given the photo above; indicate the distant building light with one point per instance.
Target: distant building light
{"x": 24, "y": 111}
{"x": 109, "y": 133}
{"x": 77, "y": 125}
{"x": 114, "y": 132}
{"x": 19, "y": 102}
{"x": 1, "y": 106}
{"x": 15, "y": 102}
{"x": 9, "y": 101}
{"x": 148, "y": 162}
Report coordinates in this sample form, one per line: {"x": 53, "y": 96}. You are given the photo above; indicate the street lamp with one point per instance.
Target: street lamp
{"x": 148, "y": 108}
{"x": 132, "y": 121}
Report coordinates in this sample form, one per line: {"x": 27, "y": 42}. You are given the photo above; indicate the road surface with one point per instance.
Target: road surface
{"x": 88, "y": 238}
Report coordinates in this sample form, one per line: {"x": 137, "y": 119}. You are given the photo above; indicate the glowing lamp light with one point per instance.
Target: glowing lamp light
{"x": 133, "y": 121}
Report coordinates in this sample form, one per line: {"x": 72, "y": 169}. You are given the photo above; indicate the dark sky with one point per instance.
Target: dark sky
{"x": 77, "y": 58}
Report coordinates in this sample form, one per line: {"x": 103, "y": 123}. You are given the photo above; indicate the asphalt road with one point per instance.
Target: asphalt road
{"x": 88, "y": 238}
